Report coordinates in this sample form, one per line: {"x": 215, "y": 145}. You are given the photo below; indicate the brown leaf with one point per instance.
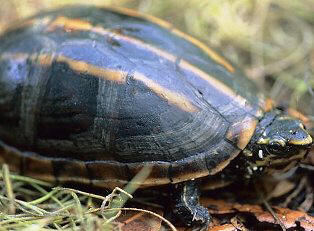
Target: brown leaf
{"x": 226, "y": 227}
{"x": 287, "y": 216}
{"x": 138, "y": 221}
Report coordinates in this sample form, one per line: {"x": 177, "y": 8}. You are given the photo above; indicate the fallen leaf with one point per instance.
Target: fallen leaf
{"x": 137, "y": 221}
{"x": 288, "y": 217}
{"x": 226, "y": 227}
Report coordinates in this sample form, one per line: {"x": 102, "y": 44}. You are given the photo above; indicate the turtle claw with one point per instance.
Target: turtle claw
{"x": 187, "y": 207}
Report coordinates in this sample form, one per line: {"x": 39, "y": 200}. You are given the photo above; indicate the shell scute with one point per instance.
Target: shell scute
{"x": 240, "y": 132}
{"x": 102, "y": 90}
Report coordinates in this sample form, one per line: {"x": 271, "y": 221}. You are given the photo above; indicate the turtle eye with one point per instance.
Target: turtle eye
{"x": 277, "y": 145}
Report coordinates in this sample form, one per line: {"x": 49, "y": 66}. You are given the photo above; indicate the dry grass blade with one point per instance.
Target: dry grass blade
{"x": 274, "y": 215}
{"x": 117, "y": 200}
{"x": 8, "y": 187}
{"x": 61, "y": 208}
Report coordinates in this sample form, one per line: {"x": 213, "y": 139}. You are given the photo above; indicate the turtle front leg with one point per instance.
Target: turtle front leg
{"x": 187, "y": 207}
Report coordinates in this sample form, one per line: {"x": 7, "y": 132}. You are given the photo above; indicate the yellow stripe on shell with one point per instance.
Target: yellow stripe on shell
{"x": 83, "y": 67}
{"x": 43, "y": 59}
{"x": 213, "y": 81}
{"x": 246, "y": 133}
{"x": 112, "y": 75}
{"x": 105, "y": 73}
{"x": 172, "y": 97}
{"x": 243, "y": 131}
{"x": 76, "y": 24}
{"x": 120, "y": 77}
{"x": 218, "y": 58}
{"x": 78, "y": 66}
{"x": 69, "y": 24}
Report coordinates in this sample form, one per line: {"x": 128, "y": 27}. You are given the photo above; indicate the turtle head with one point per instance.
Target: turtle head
{"x": 278, "y": 143}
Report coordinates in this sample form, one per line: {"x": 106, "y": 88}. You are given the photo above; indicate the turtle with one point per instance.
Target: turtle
{"x": 92, "y": 95}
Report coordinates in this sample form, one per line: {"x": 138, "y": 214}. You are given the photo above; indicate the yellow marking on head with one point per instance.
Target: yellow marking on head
{"x": 247, "y": 152}
{"x": 172, "y": 97}
{"x": 263, "y": 141}
{"x": 273, "y": 160}
{"x": 308, "y": 140}
{"x": 280, "y": 141}
{"x": 218, "y": 58}
{"x": 264, "y": 162}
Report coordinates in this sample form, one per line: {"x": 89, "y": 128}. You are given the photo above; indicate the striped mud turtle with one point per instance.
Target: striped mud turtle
{"x": 92, "y": 95}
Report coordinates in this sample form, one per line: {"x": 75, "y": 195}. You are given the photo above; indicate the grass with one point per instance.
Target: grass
{"x": 30, "y": 204}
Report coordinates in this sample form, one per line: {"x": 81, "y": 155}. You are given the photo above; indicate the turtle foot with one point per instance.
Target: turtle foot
{"x": 187, "y": 207}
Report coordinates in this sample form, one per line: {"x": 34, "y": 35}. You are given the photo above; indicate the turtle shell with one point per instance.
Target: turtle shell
{"x": 93, "y": 95}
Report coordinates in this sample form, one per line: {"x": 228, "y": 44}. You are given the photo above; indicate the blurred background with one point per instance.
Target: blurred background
{"x": 271, "y": 40}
